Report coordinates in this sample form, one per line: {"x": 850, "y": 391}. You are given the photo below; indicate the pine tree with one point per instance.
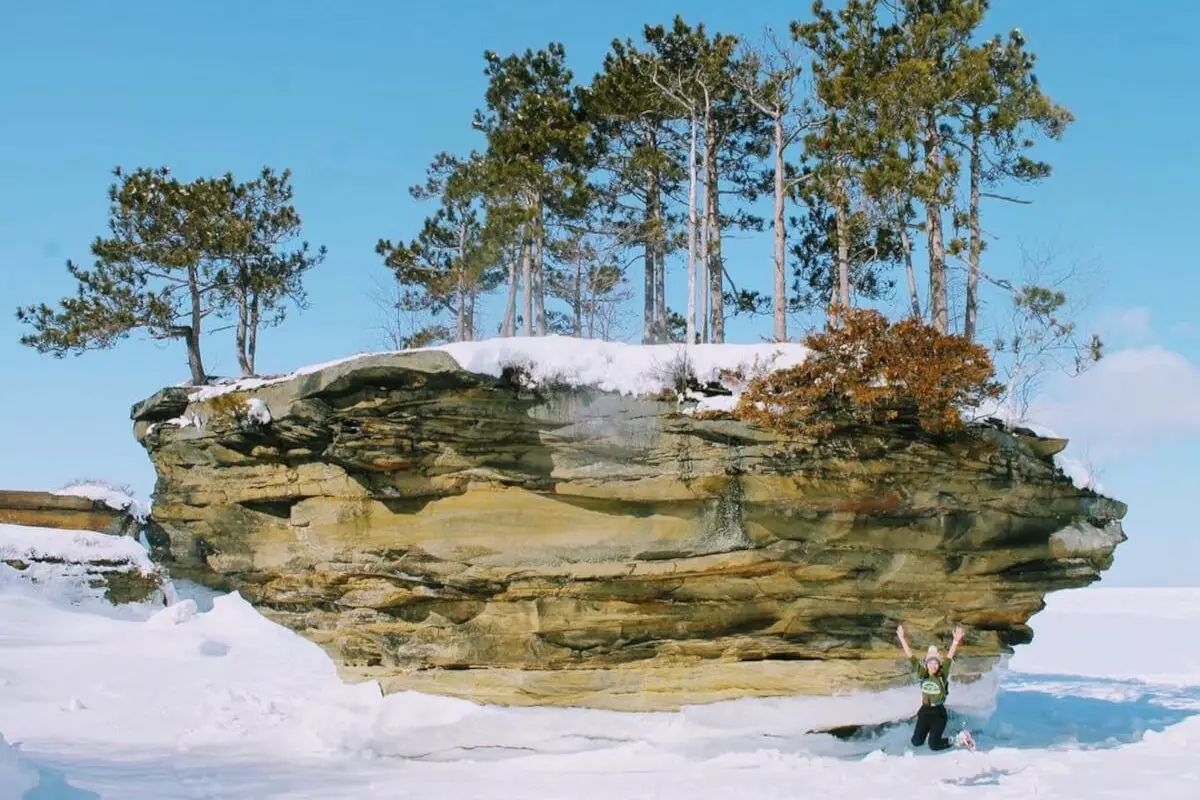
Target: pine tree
{"x": 158, "y": 270}
{"x": 733, "y": 139}
{"x": 920, "y": 95}
{"x": 826, "y": 242}
{"x": 769, "y": 76}
{"x": 1003, "y": 107}
{"x": 536, "y": 151}
{"x": 635, "y": 169}
{"x": 266, "y": 267}
{"x": 846, "y": 57}
{"x": 451, "y": 261}
{"x": 590, "y": 280}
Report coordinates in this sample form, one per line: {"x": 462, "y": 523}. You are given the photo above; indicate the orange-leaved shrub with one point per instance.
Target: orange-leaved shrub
{"x": 864, "y": 370}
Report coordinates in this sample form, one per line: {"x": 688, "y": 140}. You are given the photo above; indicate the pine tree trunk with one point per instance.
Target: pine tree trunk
{"x": 191, "y": 333}
{"x": 461, "y": 321}
{"x": 577, "y": 305}
{"x": 240, "y": 330}
{"x": 509, "y": 326}
{"x": 539, "y": 273}
{"x": 714, "y": 261}
{"x": 939, "y": 304}
{"x": 702, "y": 266}
{"x": 527, "y": 280}
{"x": 593, "y": 307}
{"x": 461, "y": 288}
{"x": 843, "y": 243}
{"x": 692, "y": 222}
{"x": 660, "y": 268}
{"x": 975, "y": 247}
{"x": 242, "y": 290}
{"x": 252, "y": 344}
{"x": 780, "y": 238}
{"x": 472, "y": 295}
{"x": 648, "y": 304}
{"x": 910, "y": 273}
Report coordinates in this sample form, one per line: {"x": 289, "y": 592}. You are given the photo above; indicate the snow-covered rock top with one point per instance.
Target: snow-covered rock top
{"x": 634, "y": 369}
{"x": 114, "y": 497}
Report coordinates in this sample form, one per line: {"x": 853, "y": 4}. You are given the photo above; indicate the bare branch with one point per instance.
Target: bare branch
{"x": 1006, "y": 198}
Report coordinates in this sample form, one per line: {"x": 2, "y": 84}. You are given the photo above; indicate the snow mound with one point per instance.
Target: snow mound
{"x": 634, "y": 369}
{"x": 176, "y": 614}
{"x": 21, "y": 542}
{"x": 70, "y": 567}
{"x": 115, "y": 497}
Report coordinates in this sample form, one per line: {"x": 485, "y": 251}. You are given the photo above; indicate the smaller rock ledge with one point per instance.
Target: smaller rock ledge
{"x": 64, "y": 512}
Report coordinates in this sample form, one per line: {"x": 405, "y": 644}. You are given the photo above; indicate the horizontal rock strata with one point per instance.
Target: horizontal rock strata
{"x": 457, "y": 533}
{"x": 67, "y": 512}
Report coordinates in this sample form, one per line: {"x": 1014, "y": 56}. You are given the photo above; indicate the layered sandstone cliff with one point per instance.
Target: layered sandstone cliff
{"x": 461, "y": 533}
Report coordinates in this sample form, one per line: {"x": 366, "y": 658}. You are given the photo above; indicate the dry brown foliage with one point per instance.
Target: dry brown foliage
{"x": 230, "y": 405}
{"x": 865, "y": 370}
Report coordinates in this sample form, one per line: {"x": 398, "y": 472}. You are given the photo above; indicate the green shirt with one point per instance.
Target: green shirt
{"x": 934, "y": 688}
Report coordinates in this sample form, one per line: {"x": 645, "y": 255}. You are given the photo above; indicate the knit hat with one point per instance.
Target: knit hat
{"x": 932, "y": 654}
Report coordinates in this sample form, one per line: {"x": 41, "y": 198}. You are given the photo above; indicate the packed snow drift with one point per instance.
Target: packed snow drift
{"x": 205, "y": 698}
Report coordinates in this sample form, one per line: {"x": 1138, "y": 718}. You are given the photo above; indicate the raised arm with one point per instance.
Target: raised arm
{"x": 903, "y": 641}
{"x": 959, "y": 633}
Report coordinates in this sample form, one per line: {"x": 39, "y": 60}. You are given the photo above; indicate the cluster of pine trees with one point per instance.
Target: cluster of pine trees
{"x": 877, "y": 131}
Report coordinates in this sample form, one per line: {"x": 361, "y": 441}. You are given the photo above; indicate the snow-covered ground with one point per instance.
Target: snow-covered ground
{"x": 207, "y": 699}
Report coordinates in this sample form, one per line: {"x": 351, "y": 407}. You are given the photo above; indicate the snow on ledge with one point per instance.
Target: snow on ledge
{"x": 632, "y": 369}
{"x": 80, "y": 547}
{"x": 1074, "y": 467}
{"x": 112, "y": 496}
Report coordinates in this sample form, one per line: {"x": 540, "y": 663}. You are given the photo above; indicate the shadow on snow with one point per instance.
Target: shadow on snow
{"x": 1047, "y": 712}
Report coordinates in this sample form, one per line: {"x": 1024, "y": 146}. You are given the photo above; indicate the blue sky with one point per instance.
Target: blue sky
{"x": 356, "y": 98}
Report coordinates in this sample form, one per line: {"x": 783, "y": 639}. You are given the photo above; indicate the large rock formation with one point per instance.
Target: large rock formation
{"x": 456, "y": 533}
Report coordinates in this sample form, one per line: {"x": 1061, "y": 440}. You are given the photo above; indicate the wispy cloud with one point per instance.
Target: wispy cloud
{"x": 1127, "y": 325}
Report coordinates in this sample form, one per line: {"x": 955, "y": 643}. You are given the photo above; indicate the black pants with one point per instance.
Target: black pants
{"x": 931, "y": 722}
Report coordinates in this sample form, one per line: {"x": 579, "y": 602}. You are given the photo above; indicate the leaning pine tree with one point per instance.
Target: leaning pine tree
{"x": 157, "y": 271}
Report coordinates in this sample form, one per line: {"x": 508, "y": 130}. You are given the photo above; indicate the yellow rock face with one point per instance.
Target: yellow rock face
{"x": 445, "y": 532}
